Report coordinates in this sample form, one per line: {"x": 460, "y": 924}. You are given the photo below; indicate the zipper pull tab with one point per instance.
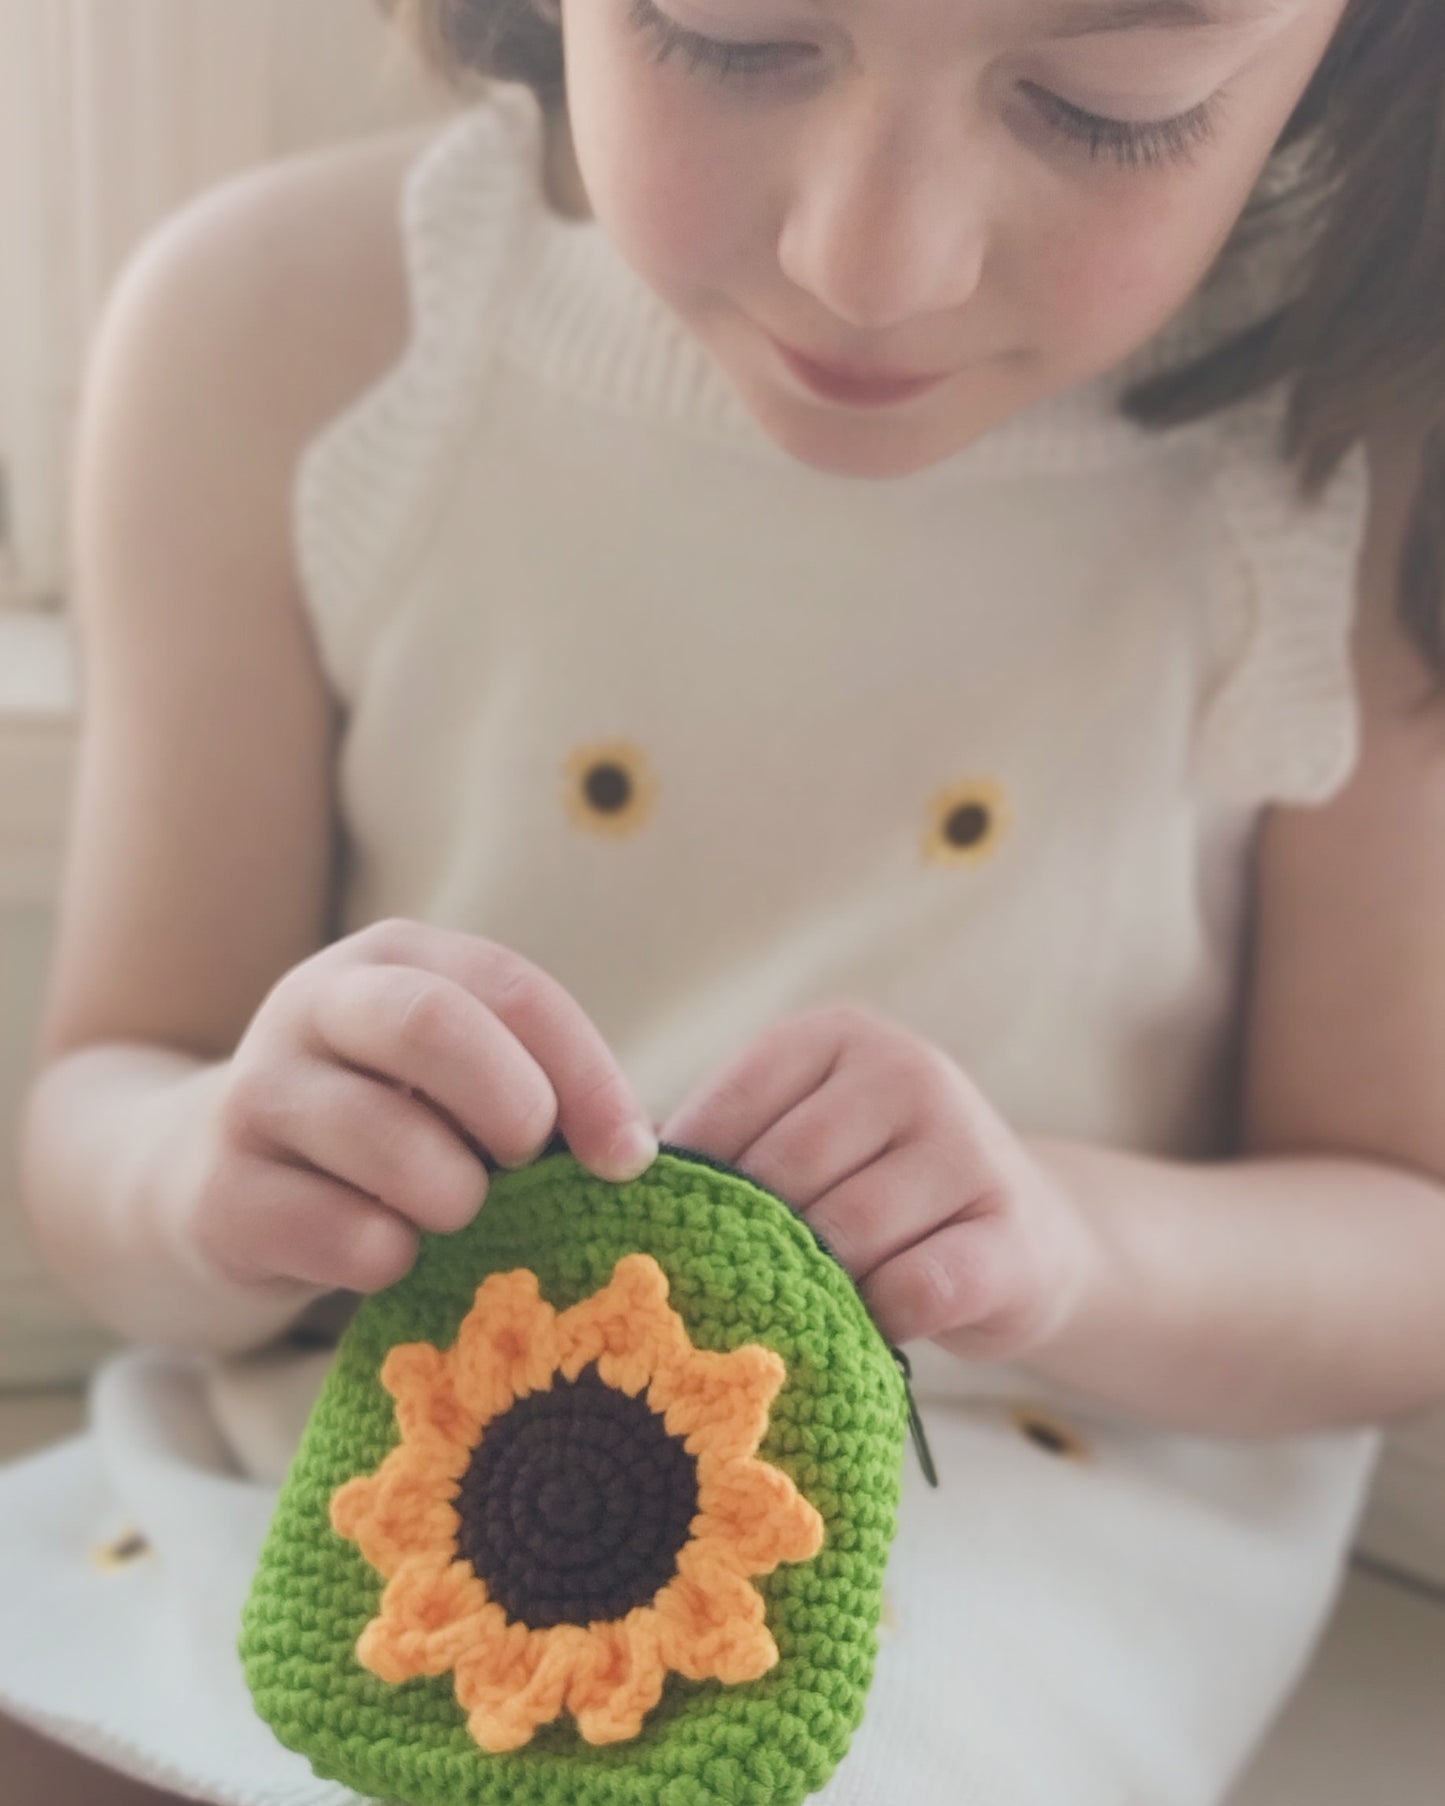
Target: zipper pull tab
{"x": 915, "y": 1418}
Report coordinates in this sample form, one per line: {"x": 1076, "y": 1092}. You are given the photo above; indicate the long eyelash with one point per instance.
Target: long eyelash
{"x": 1168, "y": 141}
{"x": 712, "y": 54}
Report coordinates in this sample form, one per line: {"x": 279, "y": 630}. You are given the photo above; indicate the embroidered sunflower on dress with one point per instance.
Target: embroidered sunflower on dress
{"x": 611, "y": 789}
{"x": 966, "y": 823}
{"x": 576, "y": 1508}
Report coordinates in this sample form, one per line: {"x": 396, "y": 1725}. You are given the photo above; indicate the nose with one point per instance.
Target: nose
{"x": 887, "y": 217}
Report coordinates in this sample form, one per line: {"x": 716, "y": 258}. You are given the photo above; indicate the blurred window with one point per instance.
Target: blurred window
{"x": 112, "y": 114}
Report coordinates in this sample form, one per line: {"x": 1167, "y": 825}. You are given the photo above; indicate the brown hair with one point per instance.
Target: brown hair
{"x": 1362, "y": 340}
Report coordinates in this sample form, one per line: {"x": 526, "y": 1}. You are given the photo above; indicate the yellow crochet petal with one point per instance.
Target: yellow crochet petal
{"x": 618, "y": 1679}
{"x": 506, "y": 1346}
{"x": 719, "y": 1402}
{"x": 403, "y": 1510}
{"x": 428, "y": 1411}
{"x": 757, "y": 1512}
{"x": 430, "y": 1618}
{"x": 628, "y": 1328}
{"x": 517, "y": 1682}
{"x": 711, "y": 1620}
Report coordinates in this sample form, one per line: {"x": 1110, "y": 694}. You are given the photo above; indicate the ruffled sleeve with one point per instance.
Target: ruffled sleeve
{"x": 1281, "y": 719}
{"x": 366, "y": 485}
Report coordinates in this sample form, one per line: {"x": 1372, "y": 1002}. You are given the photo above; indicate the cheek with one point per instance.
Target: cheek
{"x": 669, "y": 180}
{"x": 1115, "y": 272}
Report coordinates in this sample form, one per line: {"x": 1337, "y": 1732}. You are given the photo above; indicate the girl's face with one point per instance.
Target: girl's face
{"x": 1006, "y": 197}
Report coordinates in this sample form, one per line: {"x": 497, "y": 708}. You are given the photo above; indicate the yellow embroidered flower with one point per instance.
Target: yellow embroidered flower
{"x": 966, "y": 823}
{"x": 611, "y": 789}
{"x": 574, "y": 1510}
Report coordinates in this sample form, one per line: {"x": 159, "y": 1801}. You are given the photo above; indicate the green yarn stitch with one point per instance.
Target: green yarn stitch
{"x": 742, "y": 1267}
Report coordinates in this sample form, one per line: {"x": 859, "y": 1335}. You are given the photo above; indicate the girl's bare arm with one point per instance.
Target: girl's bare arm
{"x": 200, "y": 854}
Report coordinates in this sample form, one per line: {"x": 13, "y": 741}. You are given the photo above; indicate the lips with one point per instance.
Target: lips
{"x": 853, "y": 385}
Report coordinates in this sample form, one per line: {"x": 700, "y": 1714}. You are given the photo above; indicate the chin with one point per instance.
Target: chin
{"x": 839, "y": 444}
{"x": 879, "y": 444}
{"x": 866, "y": 463}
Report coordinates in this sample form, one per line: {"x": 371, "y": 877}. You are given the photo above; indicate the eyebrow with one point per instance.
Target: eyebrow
{"x": 1086, "y": 18}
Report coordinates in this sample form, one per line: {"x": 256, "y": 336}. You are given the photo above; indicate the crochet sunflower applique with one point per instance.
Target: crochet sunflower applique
{"x": 594, "y": 1508}
{"x": 576, "y": 1508}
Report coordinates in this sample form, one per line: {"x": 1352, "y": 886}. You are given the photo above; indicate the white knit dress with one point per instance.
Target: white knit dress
{"x": 713, "y": 738}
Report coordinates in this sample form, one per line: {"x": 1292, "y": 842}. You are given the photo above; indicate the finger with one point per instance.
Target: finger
{"x": 728, "y": 1113}
{"x": 906, "y": 1194}
{"x": 302, "y": 1225}
{"x": 418, "y": 1029}
{"x": 835, "y": 1132}
{"x": 598, "y": 1112}
{"x": 596, "y": 1108}
{"x": 374, "y": 1139}
{"x": 961, "y": 1280}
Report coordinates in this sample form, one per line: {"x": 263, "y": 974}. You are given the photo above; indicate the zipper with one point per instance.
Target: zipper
{"x": 915, "y": 1416}
{"x": 905, "y": 1367}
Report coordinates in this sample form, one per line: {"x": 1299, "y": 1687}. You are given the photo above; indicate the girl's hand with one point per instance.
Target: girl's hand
{"x": 366, "y": 1090}
{"x": 880, "y": 1140}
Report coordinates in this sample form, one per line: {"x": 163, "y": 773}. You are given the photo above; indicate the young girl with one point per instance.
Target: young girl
{"x": 857, "y": 584}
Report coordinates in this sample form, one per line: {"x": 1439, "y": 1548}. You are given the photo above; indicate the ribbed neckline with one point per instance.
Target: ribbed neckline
{"x": 581, "y": 319}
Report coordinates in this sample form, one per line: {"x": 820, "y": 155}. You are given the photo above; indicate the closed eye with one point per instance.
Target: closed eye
{"x": 1128, "y": 142}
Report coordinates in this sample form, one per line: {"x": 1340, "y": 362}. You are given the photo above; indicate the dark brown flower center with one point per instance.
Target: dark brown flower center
{"x": 576, "y": 1504}
{"x": 967, "y": 825}
{"x": 609, "y": 788}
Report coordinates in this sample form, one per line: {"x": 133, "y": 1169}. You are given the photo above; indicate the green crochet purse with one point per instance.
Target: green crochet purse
{"x": 594, "y": 1507}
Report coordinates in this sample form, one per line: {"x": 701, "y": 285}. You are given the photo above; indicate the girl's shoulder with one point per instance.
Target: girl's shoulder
{"x": 314, "y": 244}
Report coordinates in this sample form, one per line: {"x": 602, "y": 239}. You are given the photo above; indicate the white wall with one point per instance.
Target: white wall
{"x": 113, "y": 112}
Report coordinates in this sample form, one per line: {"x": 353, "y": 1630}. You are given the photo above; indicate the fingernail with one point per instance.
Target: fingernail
{"x": 631, "y": 1154}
